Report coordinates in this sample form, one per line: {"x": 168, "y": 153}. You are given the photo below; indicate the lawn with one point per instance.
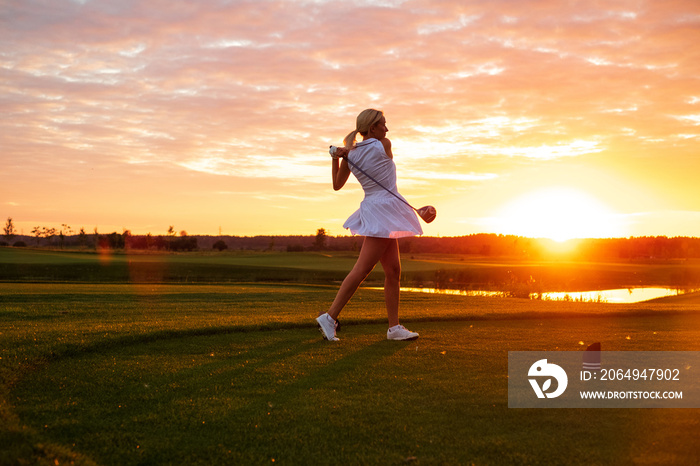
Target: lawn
{"x": 435, "y": 271}
{"x": 119, "y": 373}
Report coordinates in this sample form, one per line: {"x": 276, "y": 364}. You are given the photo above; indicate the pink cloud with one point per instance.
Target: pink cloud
{"x": 186, "y": 85}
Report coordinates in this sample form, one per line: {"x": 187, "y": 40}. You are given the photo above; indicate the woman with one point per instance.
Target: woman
{"x": 381, "y": 218}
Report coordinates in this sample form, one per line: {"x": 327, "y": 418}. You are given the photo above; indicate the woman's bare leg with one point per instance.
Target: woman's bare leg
{"x": 391, "y": 263}
{"x": 372, "y": 251}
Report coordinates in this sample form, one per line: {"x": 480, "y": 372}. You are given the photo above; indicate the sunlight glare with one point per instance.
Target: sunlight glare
{"x": 558, "y": 213}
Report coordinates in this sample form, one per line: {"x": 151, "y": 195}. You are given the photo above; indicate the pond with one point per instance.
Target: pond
{"x": 621, "y": 295}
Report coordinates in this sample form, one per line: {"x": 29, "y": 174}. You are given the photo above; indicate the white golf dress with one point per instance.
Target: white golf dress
{"x": 380, "y": 214}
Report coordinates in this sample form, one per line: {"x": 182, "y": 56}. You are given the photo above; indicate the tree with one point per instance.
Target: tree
{"x": 183, "y": 243}
{"x": 65, "y": 230}
{"x": 9, "y": 229}
{"x": 36, "y": 231}
{"x": 126, "y": 234}
{"x": 114, "y": 241}
{"x": 321, "y": 237}
{"x": 82, "y": 237}
{"x": 220, "y": 245}
{"x": 43, "y": 232}
{"x": 49, "y": 233}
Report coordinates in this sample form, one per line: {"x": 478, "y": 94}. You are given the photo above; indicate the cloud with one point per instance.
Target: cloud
{"x": 258, "y": 89}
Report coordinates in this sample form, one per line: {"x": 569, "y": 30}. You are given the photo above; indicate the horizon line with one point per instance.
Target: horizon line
{"x": 359, "y": 236}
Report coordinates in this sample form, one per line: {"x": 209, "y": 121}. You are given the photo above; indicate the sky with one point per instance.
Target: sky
{"x": 542, "y": 118}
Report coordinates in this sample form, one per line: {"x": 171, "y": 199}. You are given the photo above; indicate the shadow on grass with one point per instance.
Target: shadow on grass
{"x": 72, "y": 350}
{"x": 341, "y": 368}
{"x": 177, "y": 384}
{"x": 288, "y": 395}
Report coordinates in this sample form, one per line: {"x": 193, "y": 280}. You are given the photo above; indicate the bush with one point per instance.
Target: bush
{"x": 183, "y": 243}
{"x": 20, "y": 244}
{"x": 220, "y": 245}
{"x": 112, "y": 241}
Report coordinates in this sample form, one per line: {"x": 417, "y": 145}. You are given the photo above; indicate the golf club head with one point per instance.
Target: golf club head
{"x": 427, "y": 213}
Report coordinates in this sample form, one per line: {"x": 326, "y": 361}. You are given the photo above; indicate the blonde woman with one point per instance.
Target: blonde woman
{"x": 382, "y": 218}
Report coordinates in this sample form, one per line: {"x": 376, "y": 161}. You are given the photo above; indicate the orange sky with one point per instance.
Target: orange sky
{"x": 508, "y": 116}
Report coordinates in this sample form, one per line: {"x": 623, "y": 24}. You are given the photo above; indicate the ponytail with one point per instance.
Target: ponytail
{"x": 365, "y": 120}
{"x": 349, "y": 140}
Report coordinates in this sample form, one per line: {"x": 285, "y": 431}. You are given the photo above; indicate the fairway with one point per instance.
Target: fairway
{"x": 511, "y": 275}
{"x": 237, "y": 374}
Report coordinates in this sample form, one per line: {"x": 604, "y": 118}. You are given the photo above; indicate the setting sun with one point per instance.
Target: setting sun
{"x": 558, "y": 213}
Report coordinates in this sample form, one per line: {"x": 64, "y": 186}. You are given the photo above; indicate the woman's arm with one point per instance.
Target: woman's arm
{"x": 340, "y": 169}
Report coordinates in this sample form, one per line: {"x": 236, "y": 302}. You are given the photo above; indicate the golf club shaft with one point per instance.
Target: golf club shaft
{"x": 372, "y": 178}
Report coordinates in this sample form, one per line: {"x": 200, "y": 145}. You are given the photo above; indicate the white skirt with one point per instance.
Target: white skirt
{"x": 384, "y": 217}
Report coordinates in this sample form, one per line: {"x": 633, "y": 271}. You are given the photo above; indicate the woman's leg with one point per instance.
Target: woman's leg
{"x": 372, "y": 251}
{"x": 391, "y": 263}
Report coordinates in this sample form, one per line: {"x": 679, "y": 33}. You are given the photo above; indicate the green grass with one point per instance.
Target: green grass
{"x": 51, "y": 265}
{"x": 440, "y": 271}
{"x": 237, "y": 374}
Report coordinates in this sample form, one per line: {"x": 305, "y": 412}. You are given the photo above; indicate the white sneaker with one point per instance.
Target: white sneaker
{"x": 327, "y": 326}
{"x": 399, "y": 332}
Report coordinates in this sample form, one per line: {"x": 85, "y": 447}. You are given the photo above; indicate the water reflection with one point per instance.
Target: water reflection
{"x": 621, "y": 295}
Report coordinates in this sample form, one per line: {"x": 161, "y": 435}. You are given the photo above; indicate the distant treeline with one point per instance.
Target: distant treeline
{"x": 488, "y": 245}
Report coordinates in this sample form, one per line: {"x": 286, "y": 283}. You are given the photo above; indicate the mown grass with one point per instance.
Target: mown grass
{"x": 439, "y": 271}
{"x": 238, "y": 374}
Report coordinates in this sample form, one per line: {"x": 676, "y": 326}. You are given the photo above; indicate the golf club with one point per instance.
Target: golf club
{"x": 427, "y": 213}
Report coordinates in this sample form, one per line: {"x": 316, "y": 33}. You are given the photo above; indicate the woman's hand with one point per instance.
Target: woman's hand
{"x": 341, "y": 152}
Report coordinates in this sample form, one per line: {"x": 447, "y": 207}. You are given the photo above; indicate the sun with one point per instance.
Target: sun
{"x": 558, "y": 213}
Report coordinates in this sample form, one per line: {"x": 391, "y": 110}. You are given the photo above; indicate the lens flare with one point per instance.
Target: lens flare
{"x": 558, "y": 213}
